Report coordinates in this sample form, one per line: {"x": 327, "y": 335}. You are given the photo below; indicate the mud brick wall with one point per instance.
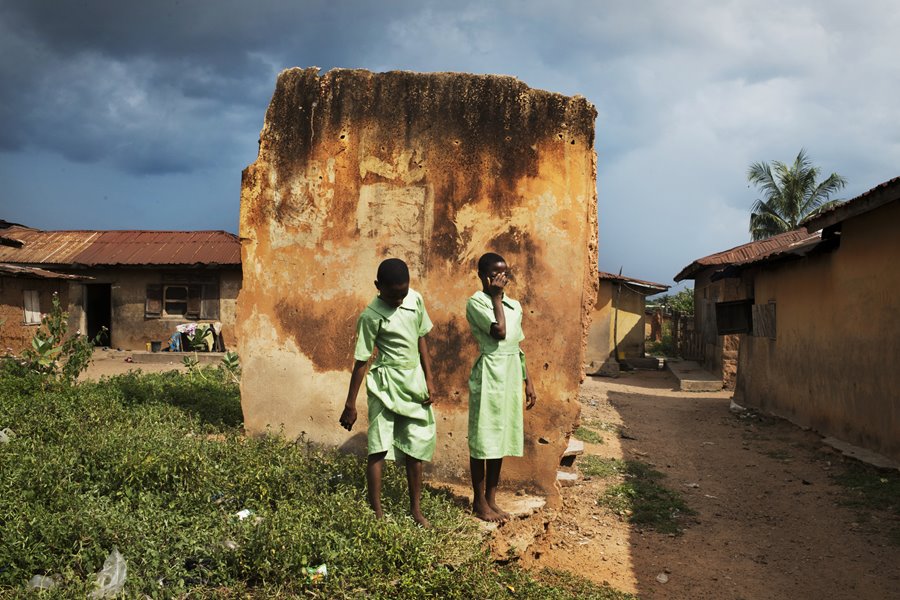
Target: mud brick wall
{"x": 435, "y": 169}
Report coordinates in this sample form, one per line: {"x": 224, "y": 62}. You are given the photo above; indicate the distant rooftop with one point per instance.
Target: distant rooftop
{"x": 649, "y": 286}
{"x": 744, "y": 253}
{"x": 24, "y": 245}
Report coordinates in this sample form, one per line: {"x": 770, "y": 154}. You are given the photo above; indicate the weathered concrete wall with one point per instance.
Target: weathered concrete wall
{"x": 15, "y": 335}
{"x": 435, "y": 169}
{"x": 602, "y": 333}
{"x": 832, "y": 365}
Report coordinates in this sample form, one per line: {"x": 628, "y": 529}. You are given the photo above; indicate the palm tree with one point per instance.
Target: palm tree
{"x": 791, "y": 193}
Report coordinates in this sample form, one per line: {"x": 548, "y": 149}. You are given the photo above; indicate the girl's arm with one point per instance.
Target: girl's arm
{"x": 425, "y": 359}
{"x": 495, "y": 291}
{"x": 348, "y": 417}
{"x": 530, "y": 396}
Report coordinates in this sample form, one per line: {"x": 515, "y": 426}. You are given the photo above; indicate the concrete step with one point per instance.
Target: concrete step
{"x": 692, "y": 377}
{"x": 566, "y": 479}
{"x": 575, "y": 448}
{"x": 204, "y": 358}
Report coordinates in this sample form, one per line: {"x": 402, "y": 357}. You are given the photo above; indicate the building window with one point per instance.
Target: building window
{"x": 32, "y": 304}
{"x": 175, "y": 300}
{"x": 734, "y": 317}
{"x": 182, "y": 300}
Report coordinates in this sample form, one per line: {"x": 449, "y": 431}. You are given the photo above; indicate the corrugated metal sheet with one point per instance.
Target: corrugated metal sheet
{"x": 34, "y": 272}
{"x": 649, "y": 284}
{"x": 744, "y": 253}
{"x": 45, "y": 247}
{"x": 869, "y": 200}
{"x": 108, "y": 248}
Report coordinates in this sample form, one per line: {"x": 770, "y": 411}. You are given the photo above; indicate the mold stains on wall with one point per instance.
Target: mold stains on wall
{"x": 435, "y": 169}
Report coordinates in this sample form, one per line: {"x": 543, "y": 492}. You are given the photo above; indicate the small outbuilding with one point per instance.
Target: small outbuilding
{"x": 717, "y": 346}
{"x": 618, "y": 325}
{"x": 139, "y": 285}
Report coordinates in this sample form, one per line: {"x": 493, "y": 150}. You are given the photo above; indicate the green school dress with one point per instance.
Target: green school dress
{"x": 395, "y": 384}
{"x": 495, "y": 384}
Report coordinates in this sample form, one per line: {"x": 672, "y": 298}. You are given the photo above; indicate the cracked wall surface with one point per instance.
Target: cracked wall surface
{"x": 435, "y": 169}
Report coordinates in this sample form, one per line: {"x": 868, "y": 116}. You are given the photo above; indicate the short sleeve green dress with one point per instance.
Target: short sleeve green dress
{"x": 496, "y": 382}
{"x": 395, "y": 384}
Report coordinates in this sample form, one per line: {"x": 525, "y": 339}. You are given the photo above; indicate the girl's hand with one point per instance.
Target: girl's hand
{"x": 348, "y": 417}
{"x": 427, "y": 401}
{"x": 496, "y": 284}
{"x": 530, "y": 396}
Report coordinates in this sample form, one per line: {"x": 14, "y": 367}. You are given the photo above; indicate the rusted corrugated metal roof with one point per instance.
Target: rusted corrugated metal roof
{"x": 743, "y": 253}
{"x": 107, "y": 248}
{"x": 881, "y": 194}
{"x": 654, "y": 287}
{"x": 45, "y": 247}
{"x": 34, "y": 272}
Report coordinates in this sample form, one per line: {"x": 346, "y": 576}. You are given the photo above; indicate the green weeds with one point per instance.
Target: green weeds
{"x": 875, "y": 496}
{"x": 641, "y": 498}
{"x": 157, "y": 465}
{"x": 588, "y": 435}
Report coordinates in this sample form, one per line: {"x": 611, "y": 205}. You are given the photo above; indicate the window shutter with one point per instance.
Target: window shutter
{"x": 764, "y": 320}
{"x": 153, "y": 305}
{"x": 209, "y": 305}
{"x": 195, "y": 299}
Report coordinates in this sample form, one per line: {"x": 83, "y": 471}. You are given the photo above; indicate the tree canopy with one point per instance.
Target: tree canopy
{"x": 790, "y": 193}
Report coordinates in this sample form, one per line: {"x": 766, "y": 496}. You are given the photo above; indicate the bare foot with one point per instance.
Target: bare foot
{"x": 419, "y": 518}
{"x": 504, "y": 516}
{"x": 485, "y": 513}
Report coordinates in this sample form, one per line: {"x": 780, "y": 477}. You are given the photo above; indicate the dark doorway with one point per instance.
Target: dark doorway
{"x": 99, "y": 311}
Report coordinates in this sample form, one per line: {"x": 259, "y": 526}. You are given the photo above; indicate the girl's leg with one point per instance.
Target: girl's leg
{"x": 414, "y": 481}
{"x": 373, "y": 480}
{"x": 490, "y": 487}
{"x": 480, "y": 504}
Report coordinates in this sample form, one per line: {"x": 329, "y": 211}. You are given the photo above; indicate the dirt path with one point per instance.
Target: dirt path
{"x": 112, "y": 362}
{"x": 768, "y": 523}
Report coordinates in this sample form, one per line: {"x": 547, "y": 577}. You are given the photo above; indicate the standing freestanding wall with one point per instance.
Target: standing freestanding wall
{"x": 435, "y": 169}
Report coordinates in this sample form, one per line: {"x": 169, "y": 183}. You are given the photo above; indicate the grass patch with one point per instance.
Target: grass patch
{"x": 157, "y": 466}
{"x": 782, "y": 455}
{"x": 874, "y": 494}
{"x": 601, "y": 425}
{"x": 642, "y": 500}
{"x": 596, "y": 466}
{"x": 588, "y": 435}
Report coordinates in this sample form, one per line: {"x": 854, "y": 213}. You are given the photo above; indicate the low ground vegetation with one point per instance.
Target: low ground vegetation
{"x": 157, "y": 466}
{"x": 639, "y": 496}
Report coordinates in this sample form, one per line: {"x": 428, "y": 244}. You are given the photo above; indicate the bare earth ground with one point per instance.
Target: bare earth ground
{"x": 768, "y": 521}
{"x": 112, "y": 362}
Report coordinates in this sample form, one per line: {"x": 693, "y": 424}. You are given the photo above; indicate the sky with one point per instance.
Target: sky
{"x": 142, "y": 114}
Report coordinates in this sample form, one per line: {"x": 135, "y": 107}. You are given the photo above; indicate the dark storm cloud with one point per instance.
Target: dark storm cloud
{"x": 158, "y": 87}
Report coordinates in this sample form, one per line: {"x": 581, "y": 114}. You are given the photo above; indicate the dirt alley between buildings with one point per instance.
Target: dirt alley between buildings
{"x": 769, "y": 520}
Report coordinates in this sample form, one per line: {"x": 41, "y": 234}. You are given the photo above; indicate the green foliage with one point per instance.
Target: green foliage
{"x": 874, "y": 494}
{"x": 588, "y": 435}
{"x": 157, "y": 466}
{"x": 231, "y": 365}
{"x": 55, "y": 354}
{"x": 664, "y": 347}
{"x": 596, "y": 466}
{"x": 682, "y": 301}
{"x": 642, "y": 499}
{"x": 791, "y": 193}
